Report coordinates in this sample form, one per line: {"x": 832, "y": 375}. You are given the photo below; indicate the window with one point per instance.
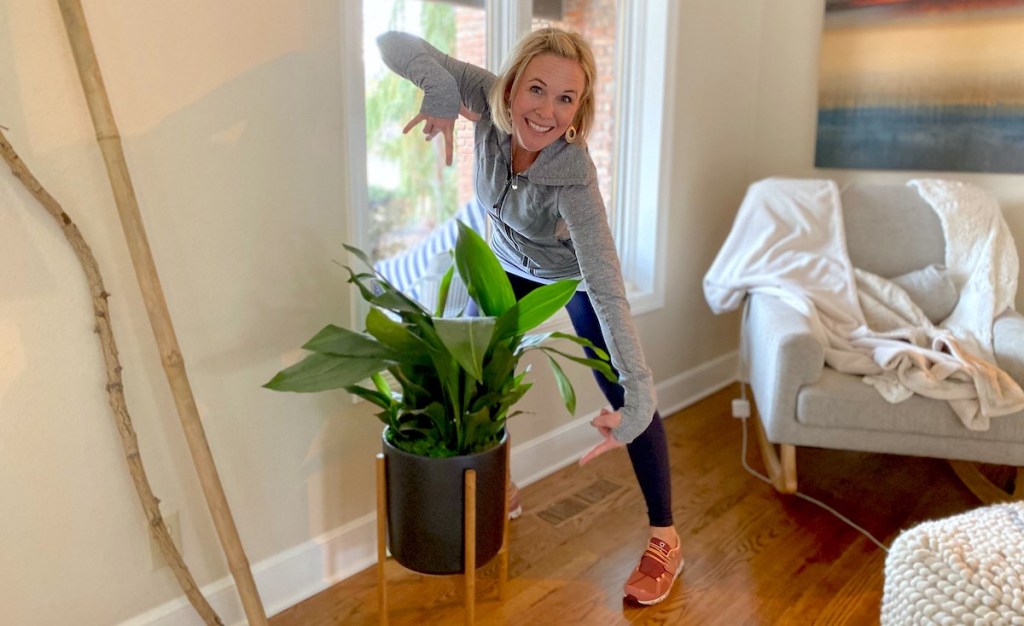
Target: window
{"x": 402, "y": 191}
{"x": 409, "y": 189}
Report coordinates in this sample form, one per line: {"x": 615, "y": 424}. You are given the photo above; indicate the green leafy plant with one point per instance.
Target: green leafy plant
{"x": 457, "y": 376}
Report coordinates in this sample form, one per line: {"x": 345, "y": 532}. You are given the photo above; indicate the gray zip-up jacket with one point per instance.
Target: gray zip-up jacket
{"x": 553, "y": 226}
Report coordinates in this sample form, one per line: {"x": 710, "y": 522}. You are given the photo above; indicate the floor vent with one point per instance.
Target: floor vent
{"x": 571, "y": 506}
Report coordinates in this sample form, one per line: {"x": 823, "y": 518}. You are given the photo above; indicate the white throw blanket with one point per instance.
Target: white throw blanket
{"x": 788, "y": 240}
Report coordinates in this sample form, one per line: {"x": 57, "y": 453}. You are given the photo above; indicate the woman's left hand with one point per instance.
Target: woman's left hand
{"x": 604, "y": 423}
{"x": 434, "y": 125}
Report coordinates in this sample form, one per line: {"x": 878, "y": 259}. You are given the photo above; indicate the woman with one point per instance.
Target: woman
{"x": 536, "y": 178}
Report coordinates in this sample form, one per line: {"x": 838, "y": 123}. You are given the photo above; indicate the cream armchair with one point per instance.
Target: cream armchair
{"x": 891, "y": 232}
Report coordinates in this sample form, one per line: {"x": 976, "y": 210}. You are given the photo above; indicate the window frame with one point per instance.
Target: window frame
{"x": 642, "y": 168}
{"x": 642, "y": 159}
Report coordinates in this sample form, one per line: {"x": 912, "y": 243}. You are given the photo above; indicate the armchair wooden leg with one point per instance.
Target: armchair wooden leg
{"x": 781, "y": 464}
{"x": 983, "y": 487}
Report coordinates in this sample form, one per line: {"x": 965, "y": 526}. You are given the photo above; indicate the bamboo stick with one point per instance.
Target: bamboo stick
{"x": 159, "y": 318}
{"x": 115, "y": 388}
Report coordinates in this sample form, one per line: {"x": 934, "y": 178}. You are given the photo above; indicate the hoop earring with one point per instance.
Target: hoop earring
{"x": 570, "y": 134}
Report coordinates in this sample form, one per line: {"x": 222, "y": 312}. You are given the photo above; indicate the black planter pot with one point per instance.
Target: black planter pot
{"x": 425, "y": 502}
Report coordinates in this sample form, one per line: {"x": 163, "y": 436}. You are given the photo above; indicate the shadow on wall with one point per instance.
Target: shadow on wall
{"x": 251, "y": 214}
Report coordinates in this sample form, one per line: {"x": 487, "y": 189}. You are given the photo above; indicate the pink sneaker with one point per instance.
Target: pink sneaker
{"x": 652, "y": 580}
{"x": 515, "y": 507}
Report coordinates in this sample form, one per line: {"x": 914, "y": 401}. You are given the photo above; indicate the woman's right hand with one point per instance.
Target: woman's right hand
{"x": 434, "y": 125}
{"x": 605, "y": 422}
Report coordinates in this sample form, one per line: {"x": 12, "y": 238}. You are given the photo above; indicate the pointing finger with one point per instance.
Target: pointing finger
{"x": 598, "y": 450}
{"x": 412, "y": 124}
{"x": 449, "y": 145}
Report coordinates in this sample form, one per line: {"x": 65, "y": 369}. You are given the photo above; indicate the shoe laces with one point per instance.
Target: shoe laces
{"x": 655, "y": 560}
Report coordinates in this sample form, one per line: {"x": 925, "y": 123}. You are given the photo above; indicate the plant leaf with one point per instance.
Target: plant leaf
{"x": 485, "y": 280}
{"x": 506, "y": 327}
{"x": 586, "y": 343}
{"x": 565, "y": 388}
{"x": 540, "y": 304}
{"x": 446, "y": 368}
{"x": 360, "y": 280}
{"x": 426, "y": 388}
{"x": 532, "y": 341}
{"x": 500, "y": 367}
{"x": 424, "y": 432}
{"x": 442, "y": 291}
{"x": 320, "y": 372}
{"x": 482, "y": 430}
{"x": 406, "y": 345}
{"x": 371, "y": 395}
{"x": 359, "y": 254}
{"x": 376, "y": 289}
{"x": 398, "y": 302}
{"x": 344, "y": 342}
{"x": 466, "y": 338}
{"x": 596, "y": 364}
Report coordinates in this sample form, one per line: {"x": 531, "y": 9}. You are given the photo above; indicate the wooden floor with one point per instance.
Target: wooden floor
{"x": 752, "y": 555}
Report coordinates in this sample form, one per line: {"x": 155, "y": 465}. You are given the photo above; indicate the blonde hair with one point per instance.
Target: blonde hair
{"x": 558, "y": 42}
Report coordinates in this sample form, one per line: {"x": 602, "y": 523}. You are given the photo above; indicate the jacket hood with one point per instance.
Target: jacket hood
{"x": 561, "y": 164}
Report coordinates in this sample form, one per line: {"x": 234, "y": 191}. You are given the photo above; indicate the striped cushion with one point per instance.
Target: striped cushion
{"x": 417, "y": 270}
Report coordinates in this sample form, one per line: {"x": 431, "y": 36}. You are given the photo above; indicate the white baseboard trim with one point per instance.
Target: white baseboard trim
{"x": 695, "y": 384}
{"x": 289, "y": 577}
{"x": 545, "y": 455}
{"x": 282, "y": 580}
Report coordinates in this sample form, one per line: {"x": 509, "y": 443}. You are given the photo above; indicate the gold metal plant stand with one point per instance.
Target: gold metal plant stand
{"x": 469, "y": 543}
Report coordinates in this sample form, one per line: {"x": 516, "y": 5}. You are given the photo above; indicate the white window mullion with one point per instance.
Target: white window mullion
{"x": 507, "y": 21}
{"x": 641, "y": 159}
{"x": 353, "y": 177}
{"x": 628, "y": 139}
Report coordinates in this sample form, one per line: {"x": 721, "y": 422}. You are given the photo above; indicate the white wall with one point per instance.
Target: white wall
{"x": 231, "y": 122}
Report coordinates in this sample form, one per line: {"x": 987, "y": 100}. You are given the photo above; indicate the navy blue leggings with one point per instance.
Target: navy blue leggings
{"x": 649, "y": 451}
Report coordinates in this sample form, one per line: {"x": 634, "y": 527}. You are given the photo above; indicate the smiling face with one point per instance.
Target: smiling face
{"x": 545, "y": 100}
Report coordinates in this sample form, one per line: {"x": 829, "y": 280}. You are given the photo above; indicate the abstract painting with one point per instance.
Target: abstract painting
{"x": 922, "y": 85}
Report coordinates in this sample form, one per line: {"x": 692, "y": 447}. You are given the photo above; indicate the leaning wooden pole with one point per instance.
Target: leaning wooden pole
{"x": 115, "y": 388}
{"x": 156, "y": 306}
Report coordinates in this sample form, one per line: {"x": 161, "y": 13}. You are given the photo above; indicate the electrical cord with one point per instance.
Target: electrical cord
{"x": 741, "y": 409}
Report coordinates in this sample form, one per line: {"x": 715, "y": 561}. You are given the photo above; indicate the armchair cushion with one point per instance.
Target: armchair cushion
{"x": 876, "y": 215}
{"x": 1008, "y": 344}
{"x": 931, "y": 289}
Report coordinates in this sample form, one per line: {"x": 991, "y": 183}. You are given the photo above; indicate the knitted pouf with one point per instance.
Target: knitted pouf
{"x": 965, "y": 569}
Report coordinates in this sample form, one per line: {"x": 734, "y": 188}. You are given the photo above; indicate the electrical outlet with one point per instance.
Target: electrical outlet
{"x": 156, "y": 557}
{"x": 741, "y": 408}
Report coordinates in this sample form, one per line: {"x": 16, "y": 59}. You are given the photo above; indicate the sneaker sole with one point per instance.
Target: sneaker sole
{"x": 516, "y": 512}
{"x": 664, "y": 595}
